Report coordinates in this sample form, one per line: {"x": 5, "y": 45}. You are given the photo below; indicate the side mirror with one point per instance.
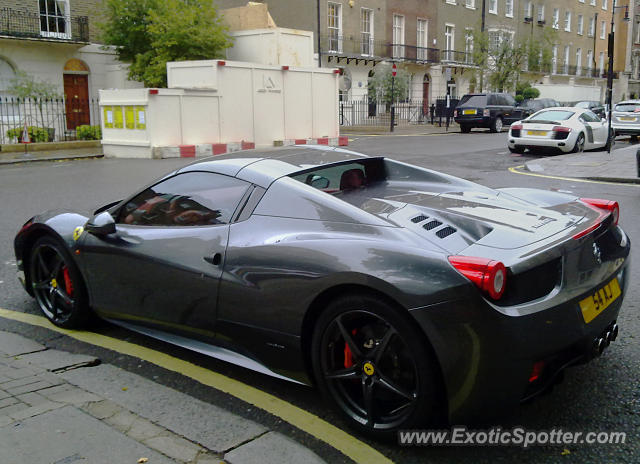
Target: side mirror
{"x": 101, "y": 224}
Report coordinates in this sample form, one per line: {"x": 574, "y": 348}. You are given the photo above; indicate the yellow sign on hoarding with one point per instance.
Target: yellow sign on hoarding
{"x": 118, "y": 123}
{"x": 129, "y": 117}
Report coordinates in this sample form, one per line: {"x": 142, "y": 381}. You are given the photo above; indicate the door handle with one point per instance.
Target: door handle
{"x": 216, "y": 259}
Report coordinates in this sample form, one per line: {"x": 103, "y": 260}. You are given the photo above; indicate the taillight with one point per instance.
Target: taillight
{"x": 488, "y": 275}
{"x": 561, "y": 129}
{"x": 486, "y": 113}
{"x": 516, "y": 127}
{"x": 602, "y": 206}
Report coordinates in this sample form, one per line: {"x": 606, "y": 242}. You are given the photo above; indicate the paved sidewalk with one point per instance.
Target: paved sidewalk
{"x": 49, "y": 155}
{"x": 618, "y": 166}
{"x": 57, "y": 407}
{"x": 412, "y": 129}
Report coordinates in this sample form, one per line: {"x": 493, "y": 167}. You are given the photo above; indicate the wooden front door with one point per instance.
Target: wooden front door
{"x": 76, "y": 96}
{"x": 425, "y": 98}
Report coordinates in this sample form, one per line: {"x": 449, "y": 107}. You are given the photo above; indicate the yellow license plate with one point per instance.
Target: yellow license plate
{"x": 593, "y": 305}
{"x": 536, "y": 132}
{"x": 626, "y": 118}
{"x": 469, "y": 112}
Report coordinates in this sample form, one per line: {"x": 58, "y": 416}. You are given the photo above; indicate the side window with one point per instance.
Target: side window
{"x": 492, "y": 100}
{"x": 509, "y": 100}
{"x": 189, "y": 199}
{"x": 592, "y": 116}
{"x": 344, "y": 177}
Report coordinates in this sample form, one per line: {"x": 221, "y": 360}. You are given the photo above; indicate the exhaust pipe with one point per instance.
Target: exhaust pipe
{"x": 602, "y": 344}
{"x": 598, "y": 347}
{"x": 614, "y": 332}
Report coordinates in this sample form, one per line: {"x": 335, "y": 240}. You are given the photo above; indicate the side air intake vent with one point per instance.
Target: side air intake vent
{"x": 432, "y": 224}
{"x": 445, "y": 232}
{"x": 420, "y": 218}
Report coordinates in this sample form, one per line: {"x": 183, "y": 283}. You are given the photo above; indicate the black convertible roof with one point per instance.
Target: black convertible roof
{"x": 262, "y": 167}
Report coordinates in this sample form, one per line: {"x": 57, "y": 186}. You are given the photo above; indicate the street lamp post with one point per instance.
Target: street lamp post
{"x": 610, "y": 70}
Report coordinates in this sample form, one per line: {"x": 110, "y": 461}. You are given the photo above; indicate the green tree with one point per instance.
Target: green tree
{"x": 24, "y": 85}
{"x": 380, "y": 85}
{"x": 149, "y": 33}
{"x": 540, "y": 50}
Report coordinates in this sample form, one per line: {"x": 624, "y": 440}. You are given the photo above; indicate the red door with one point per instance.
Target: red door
{"x": 76, "y": 96}
{"x": 425, "y": 97}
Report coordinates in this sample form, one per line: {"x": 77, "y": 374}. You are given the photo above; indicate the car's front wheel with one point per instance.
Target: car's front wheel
{"x": 496, "y": 125}
{"x": 57, "y": 284}
{"x": 373, "y": 364}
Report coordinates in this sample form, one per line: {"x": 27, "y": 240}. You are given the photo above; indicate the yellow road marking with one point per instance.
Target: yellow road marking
{"x": 350, "y": 446}
{"x": 573, "y": 179}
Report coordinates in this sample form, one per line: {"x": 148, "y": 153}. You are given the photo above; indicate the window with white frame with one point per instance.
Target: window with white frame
{"x": 589, "y": 62}
{"x": 55, "y": 19}
{"x": 540, "y": 13}
{"x": 578, "y": 62}
{"x": 7, "y": 74}
{"x": 451, "y": 2}
{"x": 554, "y": 60}
{"x": 567, "y": 21}
{"x": 603, "y": 29}
{"x": 567, "y": 51}
{"x": 468, "y": 46}
{"x": 580, "y": 25}
{"x": 581, "y": 1}
{"x": 556, "y": 18}
{"x": 638, "y": 32}
{"x": 334, "y": 26}
{"x": 366, "y": 31}
{"x": 592, "y": 27}
{"x": 470, "y": 4}
{"x": 593, "y": 2}
{"x": 528, "y": 10}
{"x": 449, "y": 41}
{"x": 422, "y": 34}
{"x": 508, "y": 8}
{"x": 604, "y": 4}
{"x": 601, "y": 64}
{"x": 398, "y": 36}
{"x": 493, "y": 6}
{"x": 636, "y": 67}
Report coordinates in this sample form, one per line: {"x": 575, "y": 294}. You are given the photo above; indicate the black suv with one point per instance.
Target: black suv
{"x": 490, "y": 110}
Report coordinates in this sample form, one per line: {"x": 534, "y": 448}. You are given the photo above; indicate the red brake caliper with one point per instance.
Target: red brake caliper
{"x": 68, "y": 285}
{"x": 348, "y": 356}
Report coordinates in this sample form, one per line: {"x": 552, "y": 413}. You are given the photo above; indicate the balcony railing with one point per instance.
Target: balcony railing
{"x": 361, "y": 47}
{"x": 413, "y": 53}
{"x": 454, "y": 56}
{"x": 28, "y": 25}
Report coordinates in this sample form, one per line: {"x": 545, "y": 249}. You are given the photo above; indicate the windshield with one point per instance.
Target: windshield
{"x": 628, "y": 107}
{"x": 473, "y": 100}
{"x": 551, "y": 115}
{"x": 582, "y": 105}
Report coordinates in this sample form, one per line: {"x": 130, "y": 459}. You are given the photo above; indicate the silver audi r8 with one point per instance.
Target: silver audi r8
{"x": 406, "y": 295}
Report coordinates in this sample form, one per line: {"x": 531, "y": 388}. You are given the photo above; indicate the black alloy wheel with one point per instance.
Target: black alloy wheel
{"x": 465, "y": 128}
{"x": 57, "y": 284}
{"x": 496, "y": 125}
{"x": 374, "y": 365}
{"x": 579, "y": 146}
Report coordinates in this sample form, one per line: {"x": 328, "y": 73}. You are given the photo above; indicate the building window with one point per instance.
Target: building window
{"x": 590, "y": 63}
{"x": 604, "y": 4}
{"x": 449, "y": 40}
{"x": 528, "y": 11}
{"x": 601, "y": 64}
{"x": 580, "y": 24}
{"x": 366, "y": 31}
{"x": 540, "y": 13}
{"x": 468, "y": 47}
{"x": 593, "y": 2}
{"x": 334, "y": 25}
{"x": 592, "y": 27}
{"x": 7, "y": 73}
{"x": 451, "y": 2}
{"x": 508, "y": 8}
{"x": 470, "y": 4}
{"x": 556, "y": 18}
{"x": 567, "y": 21}
{"x": 422, "y": 39}
{"x": 398, "y": 36}
{"x": 579, "y": 62}
{"x": 581, "y": 1}
{"x": 603, "y": 29}
{"x": 55, "y": 19}
{"x": 493, "y": 6}
{"x": 554, "y": 60}
{"x": 638, "y": 32}
{"x": 567, "y": 50}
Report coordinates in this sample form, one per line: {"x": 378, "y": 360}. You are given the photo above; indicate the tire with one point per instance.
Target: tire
{"x": 465, "y": 128}
{"x": 57, "y": 284}
{"x": 382, "y": 377}
{"x": 496, "y": 125}
{"x": 579, "y": 146}
{"x": 518, "y": 150}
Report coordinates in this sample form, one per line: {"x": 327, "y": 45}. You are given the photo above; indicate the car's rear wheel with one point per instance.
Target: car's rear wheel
{"x": 373, "y": 364}
{"x": 57, "y": 284}
{"x": 466, "y": 128}
{"x": 496, "y": 125}
{"x": 579, "y": 146}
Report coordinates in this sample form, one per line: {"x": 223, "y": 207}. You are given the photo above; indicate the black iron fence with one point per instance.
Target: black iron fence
{"x": 369, "y": 112}
{"x": 19, "y": 23}
{"x": 47, "y": 120}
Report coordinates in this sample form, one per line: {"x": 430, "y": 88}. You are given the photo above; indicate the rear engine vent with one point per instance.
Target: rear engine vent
{"x": 420, "y": 218}
{"x": 432, "y": 224}
{"x": 515, "y": 132}
{"x": 446, "y": 231}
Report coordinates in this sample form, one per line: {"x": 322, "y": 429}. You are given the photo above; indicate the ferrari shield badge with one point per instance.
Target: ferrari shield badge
{"x": 77, "y": 232}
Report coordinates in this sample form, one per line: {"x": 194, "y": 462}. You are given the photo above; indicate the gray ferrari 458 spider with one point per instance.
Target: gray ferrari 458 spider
{"x": 405, "y": 295}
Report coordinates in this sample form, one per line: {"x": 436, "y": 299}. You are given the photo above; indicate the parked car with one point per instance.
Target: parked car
{"x": 564, "y": 129}
{"x": 625, "y": 118}
{"x": 595, "y": 106}
{"x": 489, "y": 110}
{"x": 403, "y": 293}
{"x": 530, "y": 106}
